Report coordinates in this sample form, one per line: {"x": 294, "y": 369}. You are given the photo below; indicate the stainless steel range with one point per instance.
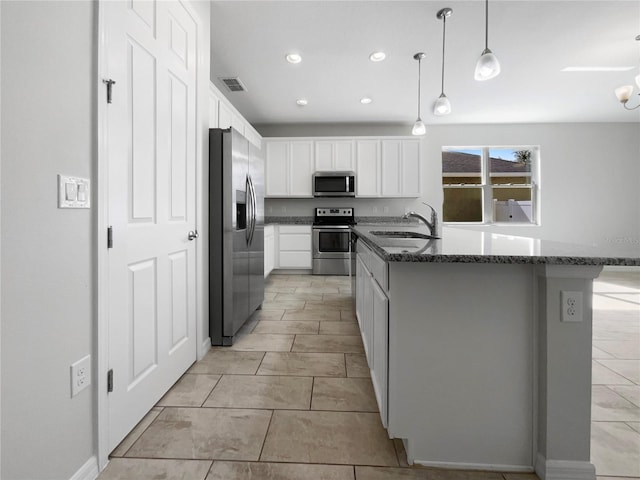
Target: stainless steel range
{"x": 331, "y": 237}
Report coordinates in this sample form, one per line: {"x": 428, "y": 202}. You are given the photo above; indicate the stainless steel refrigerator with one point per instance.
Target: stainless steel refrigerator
{"x": 236, "y": 233}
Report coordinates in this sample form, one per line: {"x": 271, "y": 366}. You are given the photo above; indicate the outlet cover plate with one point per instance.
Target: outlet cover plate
{"x": 80, "y": 375}
{"x": 571, "y": 306}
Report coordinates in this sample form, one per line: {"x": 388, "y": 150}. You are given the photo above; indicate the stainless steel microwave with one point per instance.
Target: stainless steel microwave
{"x": 334, "y": 184}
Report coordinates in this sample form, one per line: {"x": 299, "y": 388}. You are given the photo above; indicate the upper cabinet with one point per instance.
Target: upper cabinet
{"x": 334, "y": 156}
{"x": 223, "y": 115}
{"x": 384, "y": 166}
{"x": 368, "y": 168}
{"x": 401, "y": 168}
{"x": 288, "y": 168}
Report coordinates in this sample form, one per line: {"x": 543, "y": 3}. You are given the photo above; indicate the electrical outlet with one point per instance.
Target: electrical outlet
{"x": 80, "y": 375}
{"x": 571, "y": 305}
{"x": 375, "y": 210}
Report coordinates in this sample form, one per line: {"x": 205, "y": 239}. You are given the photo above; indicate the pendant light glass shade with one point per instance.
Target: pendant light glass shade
{"x": 488, "y": 66}
{"x": 442, "y": 106}
{"x": 624, "y": 93}
{"x": 419, "y": 128}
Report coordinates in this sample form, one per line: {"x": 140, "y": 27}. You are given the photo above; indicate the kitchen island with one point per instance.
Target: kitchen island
{"x": 479, "y": 347}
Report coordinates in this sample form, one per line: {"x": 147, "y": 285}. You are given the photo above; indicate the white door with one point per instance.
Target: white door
{"x": 151, "y": 144}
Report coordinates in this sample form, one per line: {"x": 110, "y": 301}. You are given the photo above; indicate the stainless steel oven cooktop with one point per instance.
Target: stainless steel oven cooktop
{"x": 331, "y": 237}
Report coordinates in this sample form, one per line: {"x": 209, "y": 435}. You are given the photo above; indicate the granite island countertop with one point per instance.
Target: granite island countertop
{"x": 469, "y": 246}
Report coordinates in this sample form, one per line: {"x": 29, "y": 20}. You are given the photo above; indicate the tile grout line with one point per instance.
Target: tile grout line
{"x": 617, "y": 373}
{"x": 211, "y": 391}
{"x": 313, "y": 384}
{"x": 124, "y": 455}
{"x": 264, "y": 440}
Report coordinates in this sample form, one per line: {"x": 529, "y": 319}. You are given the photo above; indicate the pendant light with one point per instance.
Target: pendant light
{"x": 442, "y": 106}
{"x": 419, "y": 127}
{"x": 624, "y": 93}
{"x": 488, "y": 65}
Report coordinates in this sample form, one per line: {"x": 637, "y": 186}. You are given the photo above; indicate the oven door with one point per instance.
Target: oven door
{"x": 331, "y": 241}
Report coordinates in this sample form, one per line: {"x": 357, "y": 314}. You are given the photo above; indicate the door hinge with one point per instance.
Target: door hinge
{"x": 110, "y": 237}
{"x": 109, "y": 83}
{"x": 110, "y": 381}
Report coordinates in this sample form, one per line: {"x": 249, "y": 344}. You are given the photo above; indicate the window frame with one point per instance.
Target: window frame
{"x": 487, "y": 188}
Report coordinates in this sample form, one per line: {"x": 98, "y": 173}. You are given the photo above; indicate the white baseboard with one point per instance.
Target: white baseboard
{"x": 88, "y": 471}
{"x": 477, "y": 466}
{"x": 564, "y": 469}
{"x": 204, "y": 348}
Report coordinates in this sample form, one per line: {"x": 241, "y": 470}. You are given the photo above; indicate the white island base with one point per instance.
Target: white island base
{"x": 482, "y": 372}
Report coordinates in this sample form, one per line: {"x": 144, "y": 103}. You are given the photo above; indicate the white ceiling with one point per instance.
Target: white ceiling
{"x": 533, "y": 40}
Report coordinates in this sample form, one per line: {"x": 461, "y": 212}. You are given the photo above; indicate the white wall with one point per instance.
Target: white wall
{"x": 0, "y": 243}
{"x": 48, "y": 127}
{"x": 202, "y": 9}
{"x": 590, "y": 175}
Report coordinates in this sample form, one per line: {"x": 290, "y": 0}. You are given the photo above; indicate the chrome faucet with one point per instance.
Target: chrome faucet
{"x": 433, "y": 226}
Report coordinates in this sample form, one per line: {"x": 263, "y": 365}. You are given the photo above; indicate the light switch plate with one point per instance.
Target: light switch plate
{"x": 74, "y": 192}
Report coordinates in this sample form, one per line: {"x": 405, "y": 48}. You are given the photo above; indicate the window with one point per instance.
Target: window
{"x": 490, "y": 184}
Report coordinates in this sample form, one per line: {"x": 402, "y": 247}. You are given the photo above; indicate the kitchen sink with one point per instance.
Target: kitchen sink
{"x": 402, "y": 235}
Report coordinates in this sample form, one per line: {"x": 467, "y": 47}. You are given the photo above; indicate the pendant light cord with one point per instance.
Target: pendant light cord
{"x": 486, "y": 24}
{"x": 444, "y": 28}
{"x": 419, "y": 70}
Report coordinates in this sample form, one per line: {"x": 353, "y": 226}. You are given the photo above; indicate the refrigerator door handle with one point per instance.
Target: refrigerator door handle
{"x": 253, "y": 201}
{"x": 249, "y": 207}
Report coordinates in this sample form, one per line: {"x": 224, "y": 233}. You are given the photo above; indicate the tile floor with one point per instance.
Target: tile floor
{"x": 293, "y": 400}
{"x": 615, "y": 410}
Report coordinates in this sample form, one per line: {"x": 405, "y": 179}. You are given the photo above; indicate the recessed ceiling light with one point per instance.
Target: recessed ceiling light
{"x": 365, "y": 100}
{"x": 596, "y": 69}
{"x": 293, "y": 58}
{"x": 377, "y": 56}
{"x": 302, "y": 102}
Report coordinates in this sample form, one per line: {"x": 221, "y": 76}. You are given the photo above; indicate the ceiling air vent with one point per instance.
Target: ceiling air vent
{"x": 233, "y": 84}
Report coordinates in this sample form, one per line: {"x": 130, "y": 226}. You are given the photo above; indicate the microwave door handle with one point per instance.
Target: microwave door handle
{"x": 347, "y": 179}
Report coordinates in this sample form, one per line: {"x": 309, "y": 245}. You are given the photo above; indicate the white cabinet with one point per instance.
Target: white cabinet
{"x": 252, "y": 135}
{"x": 288, "y": 168}
{"x": 294, "y": 246}
{"x": 372, "y": 312}
{"x": 269, "y": 249}
{"x": 384, "y": 166}
{"x": 334, "y": 156}
{"x": 401, "y": 169}
{"x": 225, "y": 115}
{"x": 301, "y": 169}
{"x": 380, "y": 347}
{"x": 214, "y": 100}
{"x": 237, "y": 122}
{"x": 368, "y": 168}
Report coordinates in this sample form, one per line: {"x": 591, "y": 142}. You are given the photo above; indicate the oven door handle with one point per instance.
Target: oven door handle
{"x": 331, "y": 227}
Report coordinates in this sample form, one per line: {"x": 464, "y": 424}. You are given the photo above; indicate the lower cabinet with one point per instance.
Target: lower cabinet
{"x": 294, "y": 246}
{"x": 380, "y": 348}
{"x": 372, "y": 312}
{"x": 269, "y": 249}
